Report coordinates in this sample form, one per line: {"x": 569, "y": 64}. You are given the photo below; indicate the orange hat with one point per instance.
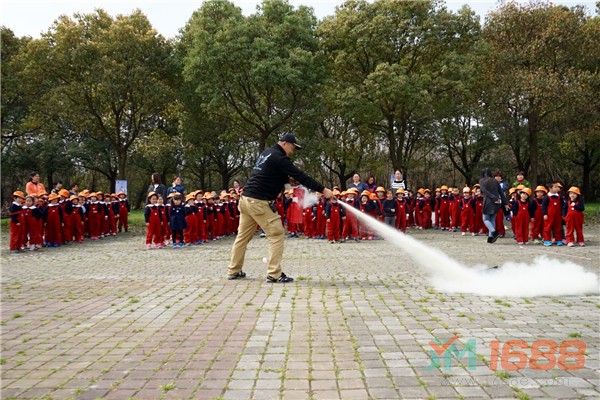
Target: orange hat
{"x": 558, "y": 184}
{"x": 114, "y": 195}
{"x": 466, "y": 189}
{"x": 476, "y": 185}
{"x": 400, "y": 191}
{"x": 373, "y": 196}
{"x": 53, "y": 196}
{"x": 73, "y": 197}
{"x": 380, "y": 189}
{"x": 84, "y": 195}
{"x": 42, "y": 193}
{"x": 438, "y": 190}
{"x": 521, "y": 187}
{"x": 426, "y": 191}
{"x": 64, "y": 193}
{"x": 173, "y": 194}
{"x": 189, "y": 197}
{"x": 121, "y": 193}
{"x": 365, "y": 193}
{"x": 149, "y": 194}
{"x": 512, "y": 190}
{"x": 575, "y": 190}
{"x": 18, "y": 193}
{"x": 352, "y": 190}
{"x": 444, "y": 187}
{"x": 541, "y": 189}
{"x": 343, "y": 193}
{"x": 526, "y": 190}
{"x": 421, "y": 191}
{"x": 336, "y": 192}
{"x": 207, "y": 195}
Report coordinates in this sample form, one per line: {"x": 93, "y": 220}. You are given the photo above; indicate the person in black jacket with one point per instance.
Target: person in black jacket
{"x": 272, "y": 170}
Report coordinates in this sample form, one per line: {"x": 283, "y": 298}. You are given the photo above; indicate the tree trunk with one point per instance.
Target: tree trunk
{"x": 225, "y": 176}
{"x": 122, "y": 161}
{"x": 533, "y": 125}
{"x": 585, "y": 184}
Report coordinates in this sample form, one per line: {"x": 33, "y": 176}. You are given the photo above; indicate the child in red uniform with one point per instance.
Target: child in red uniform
{"x": 334, "y": 215}
{"x": 76, "y": 219}
{"x": 523, "y": 211}
{"x": 455, "y": 210}
{"x": 94, "y": 215}
{"x": 53, "y": 221}
{"x": 153, "y": 218}
{"x": 201, "y": 235}
{"x": 574, "y": 217}
{"x": 401, "y": 210}
{"x": 537, "y": 226}
{"x": 437, "y": 195}
{"x": 480, "y": 227}
{"x": 34, "y": 219}
{"x": 319, "y": 217}
{"x": 124, "y": 209}
{"x": 102, "y": 215}
{"x": 67, "y": 209}
{"x": 381, "y": 195}
{"x": 113, "y": 213}
{"x": 308, "y": 220}
{"x": 351, "y": 223}
{"x": 190, "y": 233}
{"x": 17, "y": 221}
{"x": 425, "y": 210}
{"x": 552, "y": 208}
{"x": 444, "y": 207}
{"x": 368, "y": 207}
{"x": 165, "y": 229}
{"x": 466, "y": 206}
{"x": 210, "y": 216}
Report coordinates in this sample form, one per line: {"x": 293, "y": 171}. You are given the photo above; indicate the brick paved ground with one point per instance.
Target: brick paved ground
{"x": 111, "y": 320}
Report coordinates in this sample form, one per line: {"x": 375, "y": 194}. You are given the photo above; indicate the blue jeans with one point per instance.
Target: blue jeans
{"x": 490, "y": 222}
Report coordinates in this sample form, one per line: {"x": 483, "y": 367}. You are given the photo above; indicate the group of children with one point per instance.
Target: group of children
{"x": 52, "y": 220}
{"x": 192, "y": 219}
{"x": 448, "y": 209}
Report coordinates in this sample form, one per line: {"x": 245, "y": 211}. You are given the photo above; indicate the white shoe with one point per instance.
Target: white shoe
{"x": 464, "y": 233}
{"x": 570, "y": 244}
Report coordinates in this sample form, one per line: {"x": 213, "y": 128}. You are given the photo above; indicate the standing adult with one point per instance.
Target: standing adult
{"x": 358, "y": 184}
{"x": 157, "y": 186}
{"x": 371, "y": 185}
{"x": 57, "y": 187}
{"x": 236, "y": 186}
{"x": 34, "y": 186}
{"x": 398, "y": 181}
{"x": 74, "y": 189}
{"x": 493, "y": 200}
{"x": 503, "y": 184}
{"x": 176, "y": 186}
{"x": 273, "y": 169}
{"x": 521, "y": 180}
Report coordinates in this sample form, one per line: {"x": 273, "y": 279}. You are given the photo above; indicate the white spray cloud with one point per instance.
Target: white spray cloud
{"x": 545, "y": 277}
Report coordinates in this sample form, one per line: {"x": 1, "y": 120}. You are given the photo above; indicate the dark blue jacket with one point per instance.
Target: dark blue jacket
{"x": 388, "y": 206}
{"x": 177, "y": 218}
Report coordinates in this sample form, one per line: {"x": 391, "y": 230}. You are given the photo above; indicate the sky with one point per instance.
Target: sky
{"x": 31, "y": 18}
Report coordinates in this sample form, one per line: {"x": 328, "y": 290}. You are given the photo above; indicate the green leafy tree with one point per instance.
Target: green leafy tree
{"x": 260, "y": 72}
{"x": 107, "y": 77}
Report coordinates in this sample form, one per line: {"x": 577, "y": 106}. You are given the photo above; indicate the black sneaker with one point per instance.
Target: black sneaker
{"x": 239, "y": 275}
{"x": 282, "y": 279}
{"x": 494, "y": 237}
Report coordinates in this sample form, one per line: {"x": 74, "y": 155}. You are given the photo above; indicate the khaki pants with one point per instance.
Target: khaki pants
{"x": 257, "y": 212}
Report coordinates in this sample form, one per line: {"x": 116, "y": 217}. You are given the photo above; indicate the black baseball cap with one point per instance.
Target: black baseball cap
{"x": 290, "y": 139}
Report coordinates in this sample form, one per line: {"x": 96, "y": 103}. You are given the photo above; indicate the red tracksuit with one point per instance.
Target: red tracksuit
{"x": 436, "y": 210}
{"x": 190, "y": 235}
{"x": 425, "y": 213}
{"x": 319, "y": 214}
{"x": 67, "y": 209}
{"x": 333, "y": 215}
{"x": 444, "y": 208}
{"x": 455, "y": 212}
{"x": 280, "y": 204}
{"x": 220, "y": 219}
{"x": 54, "y": 220}
{"x": 113, "y": 211}
{"x": 236, "y": 216}
{"x": 153, "y": 217}
{"x": 95, "y": 218}
{"x": 479, "y": 225}
{"x": 211, "y": 224}
{"x": 307, "y": 222}
{"x": 500, "y": 222}
{"x": 77, "y": 225}
{"x": 411, "y": 205}
{"x": 201, "y": 222}
{"x": 552, "y": 206}
{"x": 123, "y": 214}
{"x": 351, "y": 223}
{"x": 537, "y": 226}
{"x": 523, "y": 212}
{"x": 574, "y": 220}
{"x": 467, "y": 214}
{"x": 34, "y": 221}
{"x": 401, "y": 211}
{"x": 17, "y": 226}
{"x": 165, "y": 216}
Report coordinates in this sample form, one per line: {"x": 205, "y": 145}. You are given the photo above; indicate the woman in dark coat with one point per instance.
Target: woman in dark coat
{"x": 157, "y": 187}
{"x": 493, "y": 200}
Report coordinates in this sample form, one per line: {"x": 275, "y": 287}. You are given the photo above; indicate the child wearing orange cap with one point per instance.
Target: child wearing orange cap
{"x": 124, "y": 209}
{"x": 467, "y": 212}
{"x": 379, "y": 198}
{"x": 426, "y": 206}
{"x": 319, "y": 217}
{"x": 201, "y": 232}
{"x": 334, "y": 215}
{"x": 368, "y": 207}
{"x": 94, "y": 216}
{"x": 308, "y": 222}
{"x": 76, "y": 219}
{"x": 401, "y": 210}
{"x": 523, "y": 211}
{"x": 437, "y": 194}
{"x": 552, "y": 208}
{"x": 17, "y": 221}
{"x": 574, "y": 217}
{"x": 34, "y": 220}
{"x": 444, "y": 208}
{"x": 154, "y": 220}
{"x": 537, "y": 226}
{"x": 67, "y": 209}
{"x": 480, "y": 227}
{"x": 53, "y": 221}
{"x": 113, "y": 213}
{"x": 350, "y": 229}
{"x": 211, "y": 225}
